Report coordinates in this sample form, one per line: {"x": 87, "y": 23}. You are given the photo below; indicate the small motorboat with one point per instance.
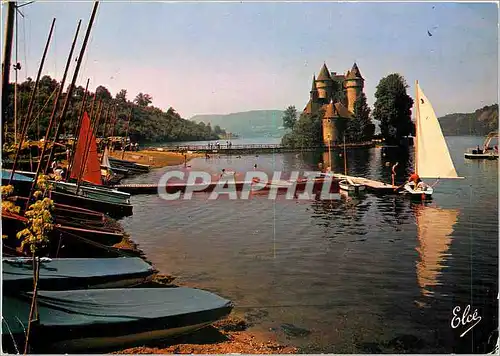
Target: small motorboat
{"x": 487, "y": 152}
{"x": 75, "y": 273}
{"x": 107, "y": 319}
{"x": 350, "y": 186}
{"x": 481, "y": 154}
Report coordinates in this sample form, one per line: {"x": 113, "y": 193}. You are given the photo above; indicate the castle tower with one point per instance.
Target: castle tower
{"x": 328, "y": 124}
{"x": 354, "y": 84}
{"x": 324, "y": 84}
{"x": 314, "y": 90}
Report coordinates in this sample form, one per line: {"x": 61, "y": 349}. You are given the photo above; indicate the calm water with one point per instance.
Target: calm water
{"x": 366, "y": 275}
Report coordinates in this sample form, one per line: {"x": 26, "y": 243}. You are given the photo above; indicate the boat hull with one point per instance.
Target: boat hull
{"x": 106, "y": 319}
{"x": 75, "y": 273}
{"x": 351, "y": 188}
{"x": 481, "y": 155}
{"x": 417, "y": 193}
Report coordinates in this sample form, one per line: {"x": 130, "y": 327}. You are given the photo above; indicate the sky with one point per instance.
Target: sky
{"x": 219, "y": 58}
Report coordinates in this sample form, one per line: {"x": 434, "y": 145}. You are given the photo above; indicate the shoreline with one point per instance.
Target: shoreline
{"x": 156, "y": 159}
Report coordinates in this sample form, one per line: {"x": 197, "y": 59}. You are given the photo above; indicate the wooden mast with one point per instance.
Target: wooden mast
{"x": 345, "y": 160}
{"x": 52, "y": 116}
{"x": 7, "y": 54}
{"x": 26, "y": 122}
{"x": 72, "y": 85}
{"x": 417, "y": 115}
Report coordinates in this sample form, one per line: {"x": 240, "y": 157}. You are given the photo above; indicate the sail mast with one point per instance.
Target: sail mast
{"x": 417, "y": 119}
{"x": 7, "y": 53}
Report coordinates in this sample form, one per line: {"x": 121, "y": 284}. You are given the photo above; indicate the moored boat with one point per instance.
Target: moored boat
{"x": 486, "y": 152}
{"x": 74, "y": 273}
{"x": 104, "y": 319}
{"x": 96, "y": 198}
{"x": 350, "y": 186}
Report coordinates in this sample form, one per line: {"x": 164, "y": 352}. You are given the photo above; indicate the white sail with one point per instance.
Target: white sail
{"x": 105, "y": 159}
{"x": 434, "y": 229}
{"x": 433, "y": 159}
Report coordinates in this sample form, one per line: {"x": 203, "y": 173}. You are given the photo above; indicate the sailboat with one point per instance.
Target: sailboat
{"x": 431, "y": 155}
{"x": 348, "y": 184}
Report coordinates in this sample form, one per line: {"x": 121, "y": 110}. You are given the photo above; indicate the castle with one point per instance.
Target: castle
{"x": 335, "y": 94}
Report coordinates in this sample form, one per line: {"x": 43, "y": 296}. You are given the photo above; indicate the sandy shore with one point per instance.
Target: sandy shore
{"x": 156, "y": 159}
{"x": 224, "y": 337}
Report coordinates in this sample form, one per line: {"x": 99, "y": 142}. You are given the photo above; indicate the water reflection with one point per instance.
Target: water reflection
{"x": 434, "y": 229}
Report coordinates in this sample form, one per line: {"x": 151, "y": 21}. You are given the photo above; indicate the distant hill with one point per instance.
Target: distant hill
{"x": 256, "y": 123}
{"x": 480, "y": 122}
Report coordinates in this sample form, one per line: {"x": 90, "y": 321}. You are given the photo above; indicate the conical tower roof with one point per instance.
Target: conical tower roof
{"x": 324, "y": 73}
{"x": 313, "y": 87}
{"x": 354, "y": 73}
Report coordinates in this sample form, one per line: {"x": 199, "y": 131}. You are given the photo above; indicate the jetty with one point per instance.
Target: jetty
{"x": 230, "y": 149}
{"x": 136, "y": 189}
{"x": 371, "y": 185}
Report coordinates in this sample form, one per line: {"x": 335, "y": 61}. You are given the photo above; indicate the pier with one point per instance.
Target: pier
{"x": 371, "y": 185}
{"x": 255, "y": 148}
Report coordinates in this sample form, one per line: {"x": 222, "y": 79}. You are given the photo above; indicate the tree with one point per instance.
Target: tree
{"x": 102, "y": 93}
{"x": 306, "y": 132}
{"x": 143, "y": 99}
{"x": 217, "y": 130}
{"x": 122, "y": 96}
{"x": 393, "y": 108}
{"x": 360, "y": 128}
{"x": 290, "y": 117}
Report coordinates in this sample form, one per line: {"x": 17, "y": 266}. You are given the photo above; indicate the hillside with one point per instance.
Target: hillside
{"x": 480, "y": 122}
{"x": 147, "y": 124}
{"x": 256, "y": 123}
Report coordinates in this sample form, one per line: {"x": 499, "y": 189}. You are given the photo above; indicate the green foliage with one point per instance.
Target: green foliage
{"x": 121, "y": 96}
{"x": 481, "y": 122}
{"x": 290, "y": 117}
{"x": 143, "y": 99}
{"x": 393, "y": 108}
{"x": 148, "y": 124}
{"x": 8, "y": 205}
{"x": 40, "y": 221}
{"x": 360, "y": 128}
{"x": 102, "y": 93}
{"x": 307, "y": 132}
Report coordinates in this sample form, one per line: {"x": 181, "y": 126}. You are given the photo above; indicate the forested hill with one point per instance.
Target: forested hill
{"x": 480, "y": 122}
{"x": 148, "y": 123}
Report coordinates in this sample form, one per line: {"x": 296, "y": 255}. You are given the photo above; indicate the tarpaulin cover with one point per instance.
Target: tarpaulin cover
{"x": 68, "y": 315}
{"x": 70, "y": 273}
{"x": 19, "y": 177}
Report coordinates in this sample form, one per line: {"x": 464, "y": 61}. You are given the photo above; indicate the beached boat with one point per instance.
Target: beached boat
{"x": 74, "y": 273}
{"x": 132, "y": 167}
{"x": 106, "y": 319}
{"x": 486, "y": 152}
{"x": 96, "y": 198}
{"x": 68, "y": 238}
{"x": 432, "y": 157}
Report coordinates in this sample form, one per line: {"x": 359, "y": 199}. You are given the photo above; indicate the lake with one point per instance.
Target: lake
{"x": 360, "y": 275}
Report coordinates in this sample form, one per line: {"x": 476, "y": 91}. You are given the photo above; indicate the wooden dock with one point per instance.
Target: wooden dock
{"x": 372, "y": 185}
{"x": 136, "y": 189}
{"x": 255, "y": 148}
